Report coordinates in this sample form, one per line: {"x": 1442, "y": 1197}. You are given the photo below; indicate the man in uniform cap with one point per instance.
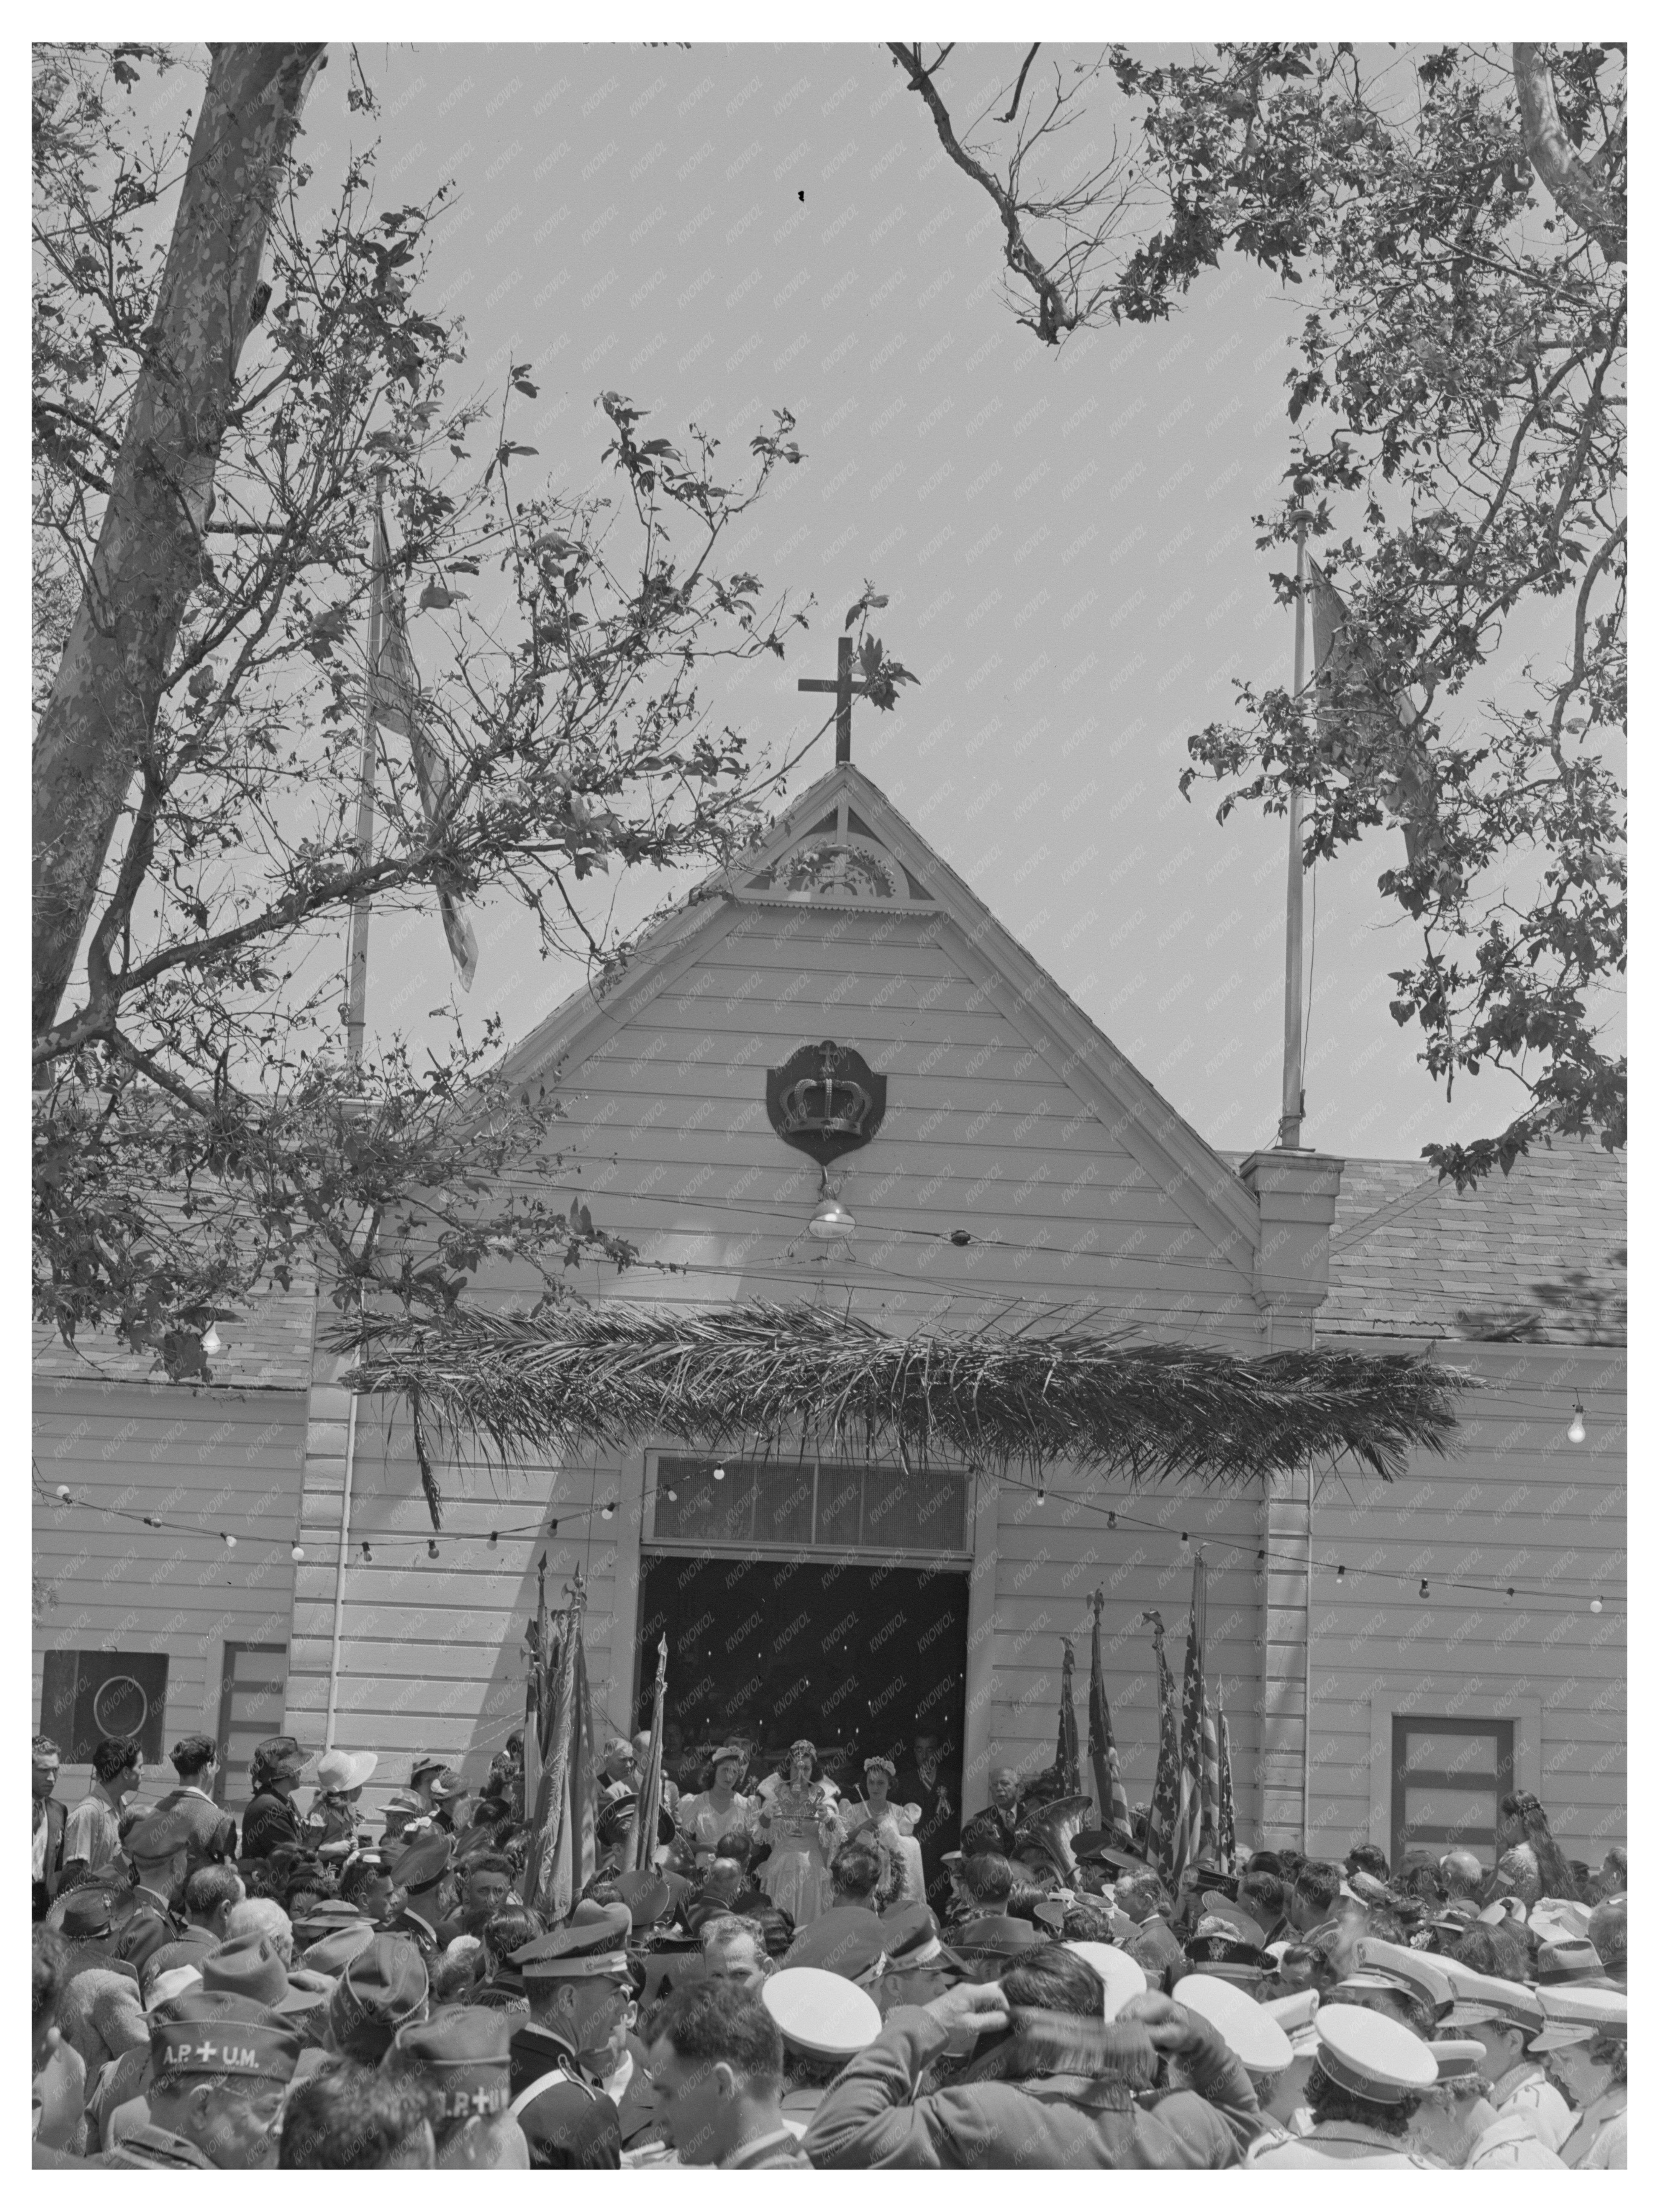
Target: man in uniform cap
{"x": 824, "y": 2020}
{"x": 1583, "y": 2042}
{"x": 459, "y": 2056}
{"x": 1367, "y": 2077}
{"x": 421, "y": 1873}
{"x": 580, "y": 1996}
{"x": 159, "y": 1847}
{"x": 382, "y": 1989}
{"x": 1218, "y": 1949}
{"x": 918, "y": 1967}
{"x": 1504, "y": 2016}
{"x": 220, "y": 2067}
{"x": 1456, "y": 2124}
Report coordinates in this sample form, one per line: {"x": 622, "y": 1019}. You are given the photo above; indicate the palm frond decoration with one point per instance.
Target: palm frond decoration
{"x": 762, "y": 1377}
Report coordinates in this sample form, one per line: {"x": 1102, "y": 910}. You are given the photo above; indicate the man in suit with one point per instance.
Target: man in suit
{"x": 924, "y": 1783}
{"x": 50, "y": 1815}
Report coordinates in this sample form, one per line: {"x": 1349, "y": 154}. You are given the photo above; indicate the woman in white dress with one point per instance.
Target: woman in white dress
{"x": 891, "y": 1828}
{"x": 718, "y": 1810}
{"x": 798, "y": 1819}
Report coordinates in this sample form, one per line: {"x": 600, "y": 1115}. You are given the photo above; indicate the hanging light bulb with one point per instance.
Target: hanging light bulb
{"x": 1576, "y": 1429}
{"x": 720, "y": 1474}
{"x": 1042, "y": 1495}
{"x": 1510, "y": 1593}
{"x": 1340, "y": 1572}
{"x": 607, "y": 1509}
{"x": 368, "y": 1556}
{"x": 1423, "y": 1587}
{"x": 298, "y": 1552}
{"x": 552, "y": 1527}
{"x": 212, "y": 1342}
{"x": 230, "y": 1543}
{"x": 64, "y": 1493}
{"x": 1111, "y": 1519}
{"x": 831, "y": 1220}
{"x": 673, "y": 1497}
{"x": 1183, "y": 1538}
{"x": 493, "y": 1546}
{"x": 1595, "y": 1605}
{"x": 432, "y": 1547}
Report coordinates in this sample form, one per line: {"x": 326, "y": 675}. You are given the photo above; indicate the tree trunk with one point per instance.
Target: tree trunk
{"x": 150, "y": 553}
{"x": 1571, "y": 182}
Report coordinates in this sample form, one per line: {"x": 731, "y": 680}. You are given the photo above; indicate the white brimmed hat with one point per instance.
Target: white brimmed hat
{"x": 1249, "y": 2029}
{"x": 345, "y": 1769}
{"x": 1371, "y": 2055}
{"x": 1123, "y": 1977}
{"x": 822, "y": 2013}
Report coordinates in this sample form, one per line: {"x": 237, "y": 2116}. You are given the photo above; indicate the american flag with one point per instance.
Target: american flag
{"x": 1167, "y": 1830}
{"x": 1200, "y": 1754}
{"x": 1110, "y": 1792}
{"x": 561, "y": 1854}
{"x": 394, "y": 702}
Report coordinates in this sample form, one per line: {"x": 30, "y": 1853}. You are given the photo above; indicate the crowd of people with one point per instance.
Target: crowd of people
{"x": 803, "y": 1975}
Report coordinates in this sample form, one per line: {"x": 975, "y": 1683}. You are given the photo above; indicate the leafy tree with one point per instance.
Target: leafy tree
{"x": 198, "y": 1124}
{"x": 1456, "y": 458}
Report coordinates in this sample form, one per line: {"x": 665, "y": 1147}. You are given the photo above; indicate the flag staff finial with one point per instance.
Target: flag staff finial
{"x": 1293, "y": 1100}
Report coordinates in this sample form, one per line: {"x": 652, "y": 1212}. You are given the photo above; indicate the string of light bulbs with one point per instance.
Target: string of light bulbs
{"x": 363, "y": 1551}
{"x": 1297, "y": 1562}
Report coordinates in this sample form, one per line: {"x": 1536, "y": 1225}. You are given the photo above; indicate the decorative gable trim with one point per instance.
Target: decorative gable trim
{"x": 840, "y": 862}
{"x": 1168, "y": 1148}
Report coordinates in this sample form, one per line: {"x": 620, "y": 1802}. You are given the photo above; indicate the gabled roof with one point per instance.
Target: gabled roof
{"x": 845, "y": 805}
{"x": 1537, "y": 1255}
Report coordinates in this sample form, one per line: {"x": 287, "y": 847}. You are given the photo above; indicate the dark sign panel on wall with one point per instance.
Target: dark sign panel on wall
{"x": 85, "y": 1696}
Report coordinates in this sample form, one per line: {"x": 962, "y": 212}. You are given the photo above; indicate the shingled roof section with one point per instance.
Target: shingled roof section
{"x": 267, "y": 1347}
{"x": 1538, "y": 1256}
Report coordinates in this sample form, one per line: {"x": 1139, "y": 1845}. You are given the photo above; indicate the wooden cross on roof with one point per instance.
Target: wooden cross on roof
{"x": 843, "y": 687}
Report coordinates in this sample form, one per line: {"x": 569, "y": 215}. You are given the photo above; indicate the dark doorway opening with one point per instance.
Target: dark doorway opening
{"x": 859, "y": 1658}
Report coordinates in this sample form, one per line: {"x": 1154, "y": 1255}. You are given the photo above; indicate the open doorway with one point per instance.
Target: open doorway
{"x": 859, "y": 1658}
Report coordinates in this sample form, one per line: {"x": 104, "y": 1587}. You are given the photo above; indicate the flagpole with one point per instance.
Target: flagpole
{"x": 357, "y": 957}
{"x": 1292, "y": 1102}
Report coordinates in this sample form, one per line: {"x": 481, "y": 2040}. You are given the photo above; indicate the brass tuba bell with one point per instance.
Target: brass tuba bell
{"x": 1049, "y": 1830}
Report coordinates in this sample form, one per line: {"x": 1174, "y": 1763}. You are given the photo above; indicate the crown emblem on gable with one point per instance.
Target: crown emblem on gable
{"x": 826, "y": 1099}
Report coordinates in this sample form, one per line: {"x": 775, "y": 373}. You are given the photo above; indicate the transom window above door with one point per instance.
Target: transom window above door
{"x": 818, "y": 1505}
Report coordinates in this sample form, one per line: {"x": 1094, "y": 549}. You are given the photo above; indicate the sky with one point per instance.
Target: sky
{"x": 1065, "y": 537}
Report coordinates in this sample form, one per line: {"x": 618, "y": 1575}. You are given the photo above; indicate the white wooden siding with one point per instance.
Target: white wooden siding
{"x": 1519, "y": 1504}
{"x": 208, "y": 1457}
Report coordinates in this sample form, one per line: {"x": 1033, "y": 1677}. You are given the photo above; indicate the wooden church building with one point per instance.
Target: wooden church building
{"x": 1019, "y": 1173}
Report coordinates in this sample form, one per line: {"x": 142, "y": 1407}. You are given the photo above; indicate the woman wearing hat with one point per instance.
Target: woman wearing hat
{"x": 333, "y": 1817}
{"x": 891, "y": 1828}
{"x": 718, "y": 1809}
{"x": 799, "y": 1821}
{"x": 271, "y": 1823}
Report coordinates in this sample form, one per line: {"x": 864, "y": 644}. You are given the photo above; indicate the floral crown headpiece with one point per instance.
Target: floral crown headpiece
{"x": 885, "y": 1764}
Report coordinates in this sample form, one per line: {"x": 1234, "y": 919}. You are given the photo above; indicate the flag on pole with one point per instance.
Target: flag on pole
{"x": 1068, "y": 1767}
{"x": 561, "y": 1857}
{"x": 394, "y": 694}
{"x": 1167, "y": 1828}
{"x": 641, "y": 1852}
{"x": 1226, "y": 1832}
{"x": 1110, "y": 1795}
{"x": 1360, "y": 726}
{"x": 1200, "y": 1757}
